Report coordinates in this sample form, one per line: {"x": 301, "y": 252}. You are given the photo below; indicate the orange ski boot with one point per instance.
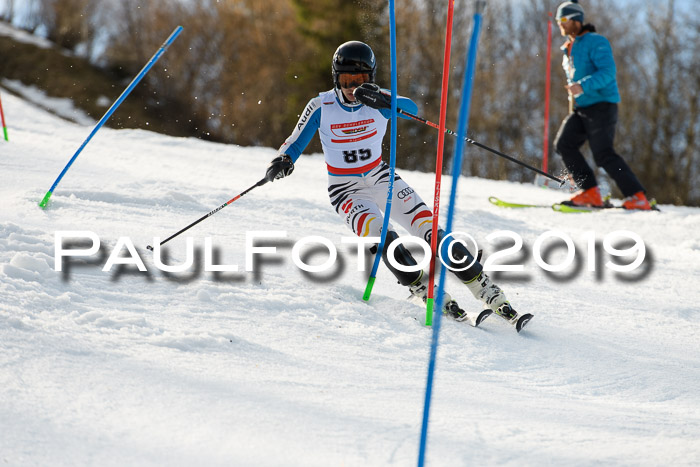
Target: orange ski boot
{"x": 637, "y": 201}
{"x": 589, "y": 198}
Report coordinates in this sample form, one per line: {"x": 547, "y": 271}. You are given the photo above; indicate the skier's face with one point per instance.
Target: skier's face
{"x": 349, "y": 81}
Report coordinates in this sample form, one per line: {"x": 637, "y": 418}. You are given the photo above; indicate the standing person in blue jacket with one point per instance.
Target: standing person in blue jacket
{"x": 592, "y": 86}
{"x": 351, "y": 135}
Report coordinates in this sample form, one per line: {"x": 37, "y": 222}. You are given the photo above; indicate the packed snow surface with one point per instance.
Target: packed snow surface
{"x": 280, "y": 367}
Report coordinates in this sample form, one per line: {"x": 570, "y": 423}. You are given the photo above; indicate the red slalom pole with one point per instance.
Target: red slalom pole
{"x": 438, "y": 162}
{"x": 548, "y": 78}
{"x": 2, "y": 117}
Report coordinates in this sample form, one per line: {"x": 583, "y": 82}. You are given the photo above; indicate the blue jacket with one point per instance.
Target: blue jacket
{"x": 589, "y": 62}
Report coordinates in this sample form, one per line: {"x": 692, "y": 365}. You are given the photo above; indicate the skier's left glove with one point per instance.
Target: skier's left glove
{"x": 372, "y": 95}
{"x": 279, "y": 167}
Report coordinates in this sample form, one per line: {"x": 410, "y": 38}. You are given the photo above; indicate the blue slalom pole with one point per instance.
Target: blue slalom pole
{"x": 392, "y": 157}
{"x": 111, "y": 110}
{"x": 456, "y": 171}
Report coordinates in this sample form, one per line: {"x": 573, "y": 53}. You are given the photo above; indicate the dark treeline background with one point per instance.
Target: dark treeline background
{"x": 243, "y": 70}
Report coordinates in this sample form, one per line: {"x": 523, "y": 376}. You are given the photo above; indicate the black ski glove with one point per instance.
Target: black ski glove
{"x": 371, "y": 95}
{"x": 279, "y": 167}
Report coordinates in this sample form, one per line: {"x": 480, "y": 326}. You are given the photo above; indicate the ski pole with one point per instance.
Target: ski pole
{"x": 2, "y": 117}
{"x": 475, "y": 143}
{"x": 211, "y": 213}
{"x": 111, "y": 110}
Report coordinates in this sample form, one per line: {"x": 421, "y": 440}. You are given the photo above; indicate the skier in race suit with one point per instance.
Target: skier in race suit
{"x": 351, "y": 135}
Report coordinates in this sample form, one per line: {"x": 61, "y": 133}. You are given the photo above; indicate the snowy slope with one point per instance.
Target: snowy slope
{"x": 276, "y": 367}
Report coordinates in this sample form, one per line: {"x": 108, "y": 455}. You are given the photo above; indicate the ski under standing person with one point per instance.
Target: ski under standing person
{"x": 351, "y": 135}
{"x": 592, "y": 86}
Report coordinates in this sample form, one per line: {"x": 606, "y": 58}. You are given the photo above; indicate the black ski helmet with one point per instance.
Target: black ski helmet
{"x": 354, "y": 57}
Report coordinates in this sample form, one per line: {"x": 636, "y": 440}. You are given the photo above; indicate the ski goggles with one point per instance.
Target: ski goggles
{"x": 347, "y": 80}
{"x": 567, "y": 18}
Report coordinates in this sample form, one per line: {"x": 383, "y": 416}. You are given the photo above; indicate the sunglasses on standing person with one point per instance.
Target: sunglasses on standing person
{"x": 565, "y": 19}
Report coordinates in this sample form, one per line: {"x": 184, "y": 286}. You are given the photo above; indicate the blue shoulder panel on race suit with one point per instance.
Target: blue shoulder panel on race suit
{"x": 403, "y": 103}
{"x": 304, "y": 130}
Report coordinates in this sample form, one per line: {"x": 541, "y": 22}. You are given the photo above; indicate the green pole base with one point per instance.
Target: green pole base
{"x": 4, "y": 130}
{"x": 368, "y": 289}
{"x": 45, "y": 201}
{"x": 429, "y": 311}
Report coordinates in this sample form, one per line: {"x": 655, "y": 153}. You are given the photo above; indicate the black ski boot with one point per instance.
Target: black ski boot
{"x": 507, "y": 312}
{"x": 493, "y": 297}
{"x": 450, "y": 307}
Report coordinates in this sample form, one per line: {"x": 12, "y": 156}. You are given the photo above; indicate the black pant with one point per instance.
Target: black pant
{"x": 595, "y": 123}
{"x": 405, "y": 258}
